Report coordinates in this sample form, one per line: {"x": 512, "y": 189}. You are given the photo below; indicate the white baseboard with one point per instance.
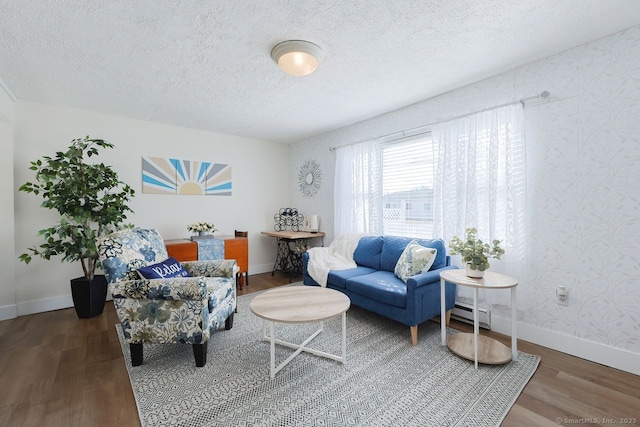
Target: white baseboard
{"x": 49, "y": 304}
{"x": 262, "y": 268}
{"x": 589, "y": 350}
{"x": 8, "y": 312}
{"x": 45, "y": 304}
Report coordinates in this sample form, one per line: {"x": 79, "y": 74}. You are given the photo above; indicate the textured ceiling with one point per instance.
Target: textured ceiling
{"x": 206, "y": 64}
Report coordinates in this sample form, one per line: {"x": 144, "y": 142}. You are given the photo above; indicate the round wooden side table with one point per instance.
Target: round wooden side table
{"x": 477, "y": 347}
{"x": 300, "y": 304}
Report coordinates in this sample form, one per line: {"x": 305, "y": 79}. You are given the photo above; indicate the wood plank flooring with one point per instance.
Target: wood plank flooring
{"x": 58, "y": 370}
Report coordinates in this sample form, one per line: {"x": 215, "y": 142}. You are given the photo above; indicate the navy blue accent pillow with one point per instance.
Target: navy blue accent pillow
{"x": 162, "y": 270}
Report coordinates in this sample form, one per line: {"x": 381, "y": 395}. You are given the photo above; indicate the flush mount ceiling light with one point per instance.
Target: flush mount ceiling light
{"x": 297, "y": 57}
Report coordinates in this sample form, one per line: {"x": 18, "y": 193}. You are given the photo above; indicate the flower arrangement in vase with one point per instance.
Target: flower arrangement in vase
{"x": 474, "y": 252}
{"x": 201, "y": 228}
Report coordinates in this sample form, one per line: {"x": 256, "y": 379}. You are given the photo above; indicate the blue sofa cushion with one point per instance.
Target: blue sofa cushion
{"x": 391, "y": 250}
{"x": 394, "y": 246}
{"x": 367, "y": 253}
{"x": 381, "y": 286}
{"x": 338, "y": 278}
{"x": 441, "y": 256}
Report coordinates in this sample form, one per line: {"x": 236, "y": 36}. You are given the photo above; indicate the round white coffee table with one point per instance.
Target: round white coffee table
{"x": 300, "y": 304}
{"x": 476, "y": 347}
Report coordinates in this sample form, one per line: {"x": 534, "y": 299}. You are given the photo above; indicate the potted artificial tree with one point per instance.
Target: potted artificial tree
{"x": 91, "y": 201}
{"x": 475, "y": 253}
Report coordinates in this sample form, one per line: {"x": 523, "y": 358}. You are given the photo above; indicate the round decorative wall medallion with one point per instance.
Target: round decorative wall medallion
{"x": 309, "y": 178}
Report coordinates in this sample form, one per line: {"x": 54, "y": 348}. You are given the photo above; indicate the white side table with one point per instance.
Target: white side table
{"x": 477, "y": 347}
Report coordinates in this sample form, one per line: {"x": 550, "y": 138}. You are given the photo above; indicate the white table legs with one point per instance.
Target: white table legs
{"x": 476, "y": 328}
{"x": 514, "y": 322}
{"x": 271, "y": 337}
{"x": 443, "y": 326}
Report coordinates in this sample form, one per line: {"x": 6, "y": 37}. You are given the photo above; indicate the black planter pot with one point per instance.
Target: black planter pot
{"x": 89, "y": 296}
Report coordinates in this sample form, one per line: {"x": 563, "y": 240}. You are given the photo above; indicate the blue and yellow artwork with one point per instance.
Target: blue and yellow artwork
{"x": 173, "y": 176}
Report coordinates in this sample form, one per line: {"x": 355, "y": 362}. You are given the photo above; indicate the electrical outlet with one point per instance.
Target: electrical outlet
{"x": 562, "y": 295}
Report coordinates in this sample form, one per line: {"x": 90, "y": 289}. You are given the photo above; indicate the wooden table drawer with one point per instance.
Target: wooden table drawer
{"x": 182, "y": 249}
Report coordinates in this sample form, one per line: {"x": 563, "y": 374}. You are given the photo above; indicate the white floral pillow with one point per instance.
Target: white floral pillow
{"x": 415, "y": 259}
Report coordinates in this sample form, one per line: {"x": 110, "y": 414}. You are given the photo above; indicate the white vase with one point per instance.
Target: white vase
{"x": 202, "y": 233}
{"x": 476, "y": 274}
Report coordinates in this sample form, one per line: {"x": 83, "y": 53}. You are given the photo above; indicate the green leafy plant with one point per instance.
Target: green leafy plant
{"x": 89, "y": 197}
{"x": 474, "y": 251}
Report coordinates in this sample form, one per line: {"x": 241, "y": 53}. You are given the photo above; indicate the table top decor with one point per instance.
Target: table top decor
{"x": 474, "y": 252}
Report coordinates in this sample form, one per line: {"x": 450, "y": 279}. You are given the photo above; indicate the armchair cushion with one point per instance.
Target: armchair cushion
{"x": 212, "y": 268}
{"x": 163, "y": 270}
{"x": 122, "y": 253}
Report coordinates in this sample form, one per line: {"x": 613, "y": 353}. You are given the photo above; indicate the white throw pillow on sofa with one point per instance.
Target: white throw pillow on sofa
{"x": 414, "y": 259}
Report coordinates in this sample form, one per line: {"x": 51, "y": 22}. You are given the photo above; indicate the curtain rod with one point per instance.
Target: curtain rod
{"x": 421, "y": 129}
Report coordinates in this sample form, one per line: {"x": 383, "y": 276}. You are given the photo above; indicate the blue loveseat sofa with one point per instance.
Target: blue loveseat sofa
{"x": 374, "y": 286}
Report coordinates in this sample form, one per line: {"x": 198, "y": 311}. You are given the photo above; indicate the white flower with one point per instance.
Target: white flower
{"x": 201, "y": 226}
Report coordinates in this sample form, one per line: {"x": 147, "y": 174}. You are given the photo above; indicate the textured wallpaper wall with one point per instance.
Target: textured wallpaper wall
{"x": 583, "y": 164}
{"x": 584, "y": 181}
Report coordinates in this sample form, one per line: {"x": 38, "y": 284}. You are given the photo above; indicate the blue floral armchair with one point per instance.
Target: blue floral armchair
{"x": 167, "y": 310}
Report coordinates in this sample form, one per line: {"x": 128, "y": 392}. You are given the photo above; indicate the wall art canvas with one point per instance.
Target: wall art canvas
{"x": 173, "y": 176}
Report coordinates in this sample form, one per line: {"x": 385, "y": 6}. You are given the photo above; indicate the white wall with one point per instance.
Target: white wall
{"x": 259, "y": 179}
{"x": 7, "y": 283}
{"x": 583, "y": 161}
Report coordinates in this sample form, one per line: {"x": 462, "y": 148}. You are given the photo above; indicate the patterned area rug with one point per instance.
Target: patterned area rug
{"x": 385, "y": 382}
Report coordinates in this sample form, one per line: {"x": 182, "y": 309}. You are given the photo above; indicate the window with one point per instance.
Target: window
{"x": 407, "y": 186}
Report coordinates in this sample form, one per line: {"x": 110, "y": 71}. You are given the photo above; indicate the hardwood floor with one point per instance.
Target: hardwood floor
{"x": 58, "y": 370}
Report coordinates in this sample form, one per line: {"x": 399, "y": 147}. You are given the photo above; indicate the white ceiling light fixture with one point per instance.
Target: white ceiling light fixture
{"x": 297, "y": 57}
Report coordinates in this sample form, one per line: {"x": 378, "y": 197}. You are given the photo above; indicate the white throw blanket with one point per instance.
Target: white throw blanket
{"x": 338, "y": 256}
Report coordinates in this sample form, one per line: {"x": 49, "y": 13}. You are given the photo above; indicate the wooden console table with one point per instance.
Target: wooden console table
{"x": 182, "y": 249}
{"x": 238, "y": 248}
{"x": 234, "y": 248}
{"x": 290, "y": 258}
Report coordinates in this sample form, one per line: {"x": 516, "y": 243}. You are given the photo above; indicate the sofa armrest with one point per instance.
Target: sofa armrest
{"x": 429, "y": 277}
{"x": 211, "y": 268}
{"x": 177, "y": 288}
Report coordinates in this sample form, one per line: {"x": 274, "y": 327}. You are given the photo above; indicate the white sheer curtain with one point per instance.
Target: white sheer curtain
{"x": 480, "y": 182}
{"x": 358, "y": 189}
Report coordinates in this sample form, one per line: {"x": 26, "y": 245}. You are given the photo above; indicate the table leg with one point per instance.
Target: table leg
{"x": 295, "y": 257}
{"x": 281, "y": 254}
{"x": 271, "y": 337}
{"x": 273, "y": 349}
{"x": 344, "y": 337}
{"x": 514, "y": 323}
{"x": 476, "y": 330}
{"x": 443, "y": 326}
